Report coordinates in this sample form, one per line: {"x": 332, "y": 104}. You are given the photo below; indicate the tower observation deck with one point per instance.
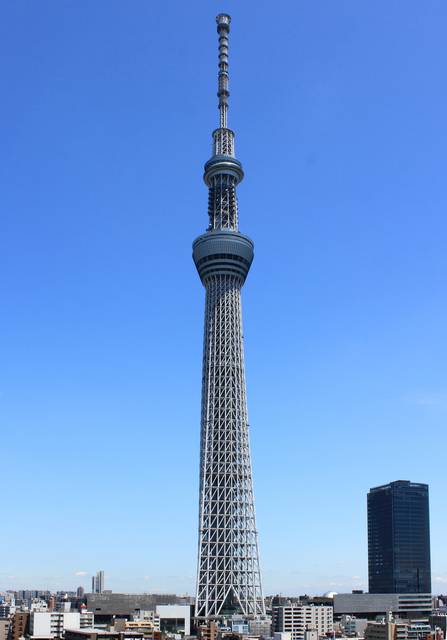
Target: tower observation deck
{"x": 228, "y": 573}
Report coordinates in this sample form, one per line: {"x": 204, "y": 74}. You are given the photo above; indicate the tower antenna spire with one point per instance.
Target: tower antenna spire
{"x": 223, "y": 29}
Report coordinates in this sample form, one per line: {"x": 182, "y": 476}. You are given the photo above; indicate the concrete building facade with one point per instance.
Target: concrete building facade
{"x": 52, "y": 624}
{"x": 127, "y": 604}
{"x": 100, "y": 634}
{"x": 19, "y": 625}
{"x": 352, "y": 626}
{"x": 174, "y": 618}
{"x": 4, "y": 628}
{"x": 296, "y": 619}
{"x": 380, "y": 631}
{"x": 369, "y": 605}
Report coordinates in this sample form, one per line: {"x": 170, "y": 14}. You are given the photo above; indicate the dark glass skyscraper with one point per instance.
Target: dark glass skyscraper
{"x": 399, "y": 538}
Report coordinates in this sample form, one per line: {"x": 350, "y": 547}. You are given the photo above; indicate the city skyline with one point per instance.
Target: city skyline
{"x": 100, "y": 327}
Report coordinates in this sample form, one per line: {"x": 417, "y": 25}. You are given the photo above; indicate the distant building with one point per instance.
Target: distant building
{"x": 370, "y": 605}
{"x": 6, "y": 610}
{"x": 399, "y": 538}
{"x": 261, "y": 627}
{"x": 27, "y": 596}
{"x": 298, "y": 618}
{"x": 439, "y": 619}
{"x": 38, "y": 605}
{"x": 52, "y": 602}
{"x": 439, "y": 602}
{"x": 80, "y": 592}
{"x": 352, "y": 626}
{"x": 107, "y": 605}
{"x": 97, "y": 582}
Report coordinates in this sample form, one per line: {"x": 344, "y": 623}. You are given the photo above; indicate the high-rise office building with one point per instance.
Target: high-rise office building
{"x": 98, "y": 582}
{"x": 228, "y": 575}
{"x": 399, "y": 538}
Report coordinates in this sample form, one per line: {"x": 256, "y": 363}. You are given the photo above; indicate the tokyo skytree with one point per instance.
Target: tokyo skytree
{"x": 228, "y": 573}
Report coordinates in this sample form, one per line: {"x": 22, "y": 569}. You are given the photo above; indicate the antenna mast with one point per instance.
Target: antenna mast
{"x": 223, "y": 29}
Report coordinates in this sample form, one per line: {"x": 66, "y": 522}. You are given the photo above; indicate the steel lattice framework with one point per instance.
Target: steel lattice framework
{"x": 228, "y": 574}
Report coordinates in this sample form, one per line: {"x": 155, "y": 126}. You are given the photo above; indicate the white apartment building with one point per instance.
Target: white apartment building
{"x": 52, "y": 624}
{"x": 297, "y": 618}
{"x": 174, "y": 618}
{"x": 38, "y": 605}
{"x": 6, "y": 610}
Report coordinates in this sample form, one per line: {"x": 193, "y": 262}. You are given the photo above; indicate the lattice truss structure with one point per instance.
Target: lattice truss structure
{"x": 228, "y": 576}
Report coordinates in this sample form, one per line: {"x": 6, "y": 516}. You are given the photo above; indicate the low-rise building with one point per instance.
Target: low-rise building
{"x": 207, "y": 631}
{"x": 107, "y": 605}
{"x": 38, "y": 605}
{"x": 380, "y": 631}
{"x": 6, "y": 610}
{"x": 174, "y": 618}
{"x": 261, "y": 627}
{"x": 100, "y": 634}
{"x": 19, "y": 625}
{"x": 239, "y": 627}
{"x": 282, "y": 635}
{"x": 311, "y": 634}
{"x": 420, "y": 630}
{"x": 297, "y": 618}
{"x": 147, "y": 623}
{"x": 4, "y": 628}
{"x": 352, "y": 626}
{"x": 52, "y": 624}
{"x": 391, "y": 629}
{"x": 370, "y": 605}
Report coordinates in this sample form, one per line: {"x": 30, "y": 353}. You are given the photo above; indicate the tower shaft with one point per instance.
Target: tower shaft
{"x": 228, "y": 573}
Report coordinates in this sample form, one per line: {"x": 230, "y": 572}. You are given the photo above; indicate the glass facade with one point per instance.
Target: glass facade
{"x": 399, "y": 538}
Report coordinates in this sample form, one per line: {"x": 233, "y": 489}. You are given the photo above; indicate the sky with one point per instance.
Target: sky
{"x": 106, "y": 117}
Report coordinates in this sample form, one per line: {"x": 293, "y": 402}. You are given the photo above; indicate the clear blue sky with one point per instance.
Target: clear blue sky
{"x": 106, "y": 115}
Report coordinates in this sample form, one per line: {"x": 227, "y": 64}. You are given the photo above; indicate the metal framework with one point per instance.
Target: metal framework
{"x": 228, "y": 573}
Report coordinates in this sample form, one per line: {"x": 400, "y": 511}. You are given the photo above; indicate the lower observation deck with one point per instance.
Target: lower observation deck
{"x": 223, "y": 252}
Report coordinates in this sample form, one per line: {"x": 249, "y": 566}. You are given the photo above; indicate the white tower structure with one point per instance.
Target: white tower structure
{"x": 228, "y": 573}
